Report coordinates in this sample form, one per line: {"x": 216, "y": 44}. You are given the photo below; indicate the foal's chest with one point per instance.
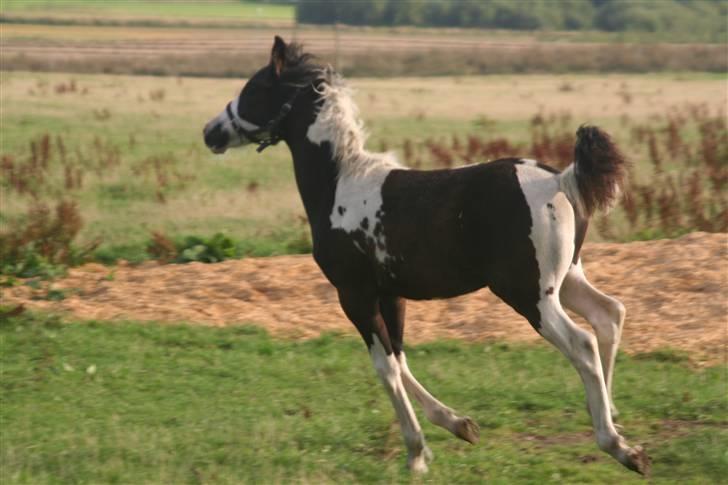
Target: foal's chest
{"x": 358, "y": 211}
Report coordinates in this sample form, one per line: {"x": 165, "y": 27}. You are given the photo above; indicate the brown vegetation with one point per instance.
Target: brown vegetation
{"x": 45, "y": 233}
{"x": 687, "y": 149}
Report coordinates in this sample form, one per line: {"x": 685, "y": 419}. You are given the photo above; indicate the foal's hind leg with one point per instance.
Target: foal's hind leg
{"x": 581, "y": 348}
{"x": 363, "y": 310}
{"x": 604, "y": 314}
{"x": 393, "y": 310}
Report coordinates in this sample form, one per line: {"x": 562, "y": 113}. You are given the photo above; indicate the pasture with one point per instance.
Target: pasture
{"x": 100, "y": 402}
{"x": 129, "y": 151}
{"x": 150, "y": 11}
{"x": 114, "y": 167}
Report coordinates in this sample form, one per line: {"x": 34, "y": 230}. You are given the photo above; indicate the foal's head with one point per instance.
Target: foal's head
{"x": 258, "y": 114}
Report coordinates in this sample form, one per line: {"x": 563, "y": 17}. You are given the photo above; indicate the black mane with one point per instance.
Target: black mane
{"x": 300, "y": 67}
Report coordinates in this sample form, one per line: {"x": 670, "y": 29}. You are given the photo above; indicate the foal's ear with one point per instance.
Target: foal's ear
{"x": 278, "y": 55}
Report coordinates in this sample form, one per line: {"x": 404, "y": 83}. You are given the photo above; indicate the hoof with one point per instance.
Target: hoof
{"x": 468, "y": 430}
{"x": 638, "y": 461}
{"x": 418, "y": 464}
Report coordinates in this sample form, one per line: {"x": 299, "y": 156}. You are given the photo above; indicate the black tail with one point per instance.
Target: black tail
{"x": 595, "y": 178}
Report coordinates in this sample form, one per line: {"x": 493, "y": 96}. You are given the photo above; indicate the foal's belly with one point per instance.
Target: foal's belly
{"x": 434, "y": 291}
{"x": 428, "y": 281}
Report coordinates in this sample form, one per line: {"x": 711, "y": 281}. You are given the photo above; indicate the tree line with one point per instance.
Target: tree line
{"x": 604, "y": 15}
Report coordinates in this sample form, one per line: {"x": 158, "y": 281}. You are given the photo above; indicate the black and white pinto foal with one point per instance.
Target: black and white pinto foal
{"x": 382, "y": 234}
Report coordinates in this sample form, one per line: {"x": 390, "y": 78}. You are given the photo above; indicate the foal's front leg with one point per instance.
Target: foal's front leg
{"x": 393, "y": 312}
{"x": 362, "y": 308}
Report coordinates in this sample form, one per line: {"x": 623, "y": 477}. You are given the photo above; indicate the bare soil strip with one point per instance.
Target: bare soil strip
{"x": 675, "y": 292}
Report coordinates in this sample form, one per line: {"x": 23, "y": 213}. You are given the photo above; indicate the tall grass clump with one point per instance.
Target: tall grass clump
{"x": 677, "y": 180}
{"x": 684, "y": 188}
{"x": 41, "y": 241}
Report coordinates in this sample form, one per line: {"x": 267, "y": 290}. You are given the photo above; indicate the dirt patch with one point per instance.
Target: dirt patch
{"x": 674, "y": 290}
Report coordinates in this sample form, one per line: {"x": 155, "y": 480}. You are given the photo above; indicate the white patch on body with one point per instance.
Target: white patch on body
{"x": 529, "y": 161}
{"x": 361, "y": 173}
{"x": 552, "y": 232}
{"x": 351, "y": 194}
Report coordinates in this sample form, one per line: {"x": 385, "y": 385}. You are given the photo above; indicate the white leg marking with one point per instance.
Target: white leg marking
{"x": 605, "y": 314}
{"x": 552, "y": 231}
{"x": 390, "y": 374}
{"x": 581, "y": 349}
{"x": 438, "y": 413}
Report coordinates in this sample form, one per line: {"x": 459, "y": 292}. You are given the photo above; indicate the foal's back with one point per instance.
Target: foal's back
{"x": 467, "y": 228}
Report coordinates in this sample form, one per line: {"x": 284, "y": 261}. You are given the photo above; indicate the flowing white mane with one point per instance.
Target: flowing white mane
{"x": 338, "y": 123}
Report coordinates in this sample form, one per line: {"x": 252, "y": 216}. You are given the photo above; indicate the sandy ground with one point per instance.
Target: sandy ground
{"x": 675, "y": 292}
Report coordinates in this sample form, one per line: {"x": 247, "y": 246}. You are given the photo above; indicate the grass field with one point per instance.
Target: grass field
{"x": 135, "y": 144}
{"x": 162, "y": 11}
{"x": 92, "y": 402}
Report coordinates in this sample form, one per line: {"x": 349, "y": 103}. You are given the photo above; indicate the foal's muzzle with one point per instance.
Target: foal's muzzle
{"x": 216, "y": 138}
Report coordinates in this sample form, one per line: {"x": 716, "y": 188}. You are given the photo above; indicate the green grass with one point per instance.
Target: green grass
{"x": 115, "y": 9}
{"x": 100, "y": 402}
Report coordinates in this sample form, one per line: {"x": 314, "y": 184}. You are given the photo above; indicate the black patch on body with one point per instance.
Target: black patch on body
{"x": 365, "y": 223}
{"x": 450, "y": 232}
{"x": 342, "y": 210}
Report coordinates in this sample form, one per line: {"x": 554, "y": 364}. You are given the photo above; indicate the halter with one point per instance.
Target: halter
{"x": 267, "y": 135}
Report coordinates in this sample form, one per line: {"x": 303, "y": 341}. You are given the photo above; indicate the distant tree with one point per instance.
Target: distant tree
{"x": 630, "y": 15}
{"x": 577, "y": 14}
{"x": 708, "y": 16}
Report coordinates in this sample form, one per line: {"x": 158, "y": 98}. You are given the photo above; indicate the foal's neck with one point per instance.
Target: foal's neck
{"x": 316, "y": 173}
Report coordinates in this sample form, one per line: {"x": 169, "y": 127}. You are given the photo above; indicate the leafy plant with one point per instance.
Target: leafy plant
{"x": 217, "y": 248}
{"x": 192, "y": 248}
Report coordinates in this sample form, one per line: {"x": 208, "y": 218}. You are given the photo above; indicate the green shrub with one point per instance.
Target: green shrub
{"x": 29, "y": 263}
{"x": 215, "y": 249}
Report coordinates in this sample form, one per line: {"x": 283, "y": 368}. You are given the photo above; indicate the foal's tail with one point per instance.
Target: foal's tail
{"x": 595, "y": 178}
